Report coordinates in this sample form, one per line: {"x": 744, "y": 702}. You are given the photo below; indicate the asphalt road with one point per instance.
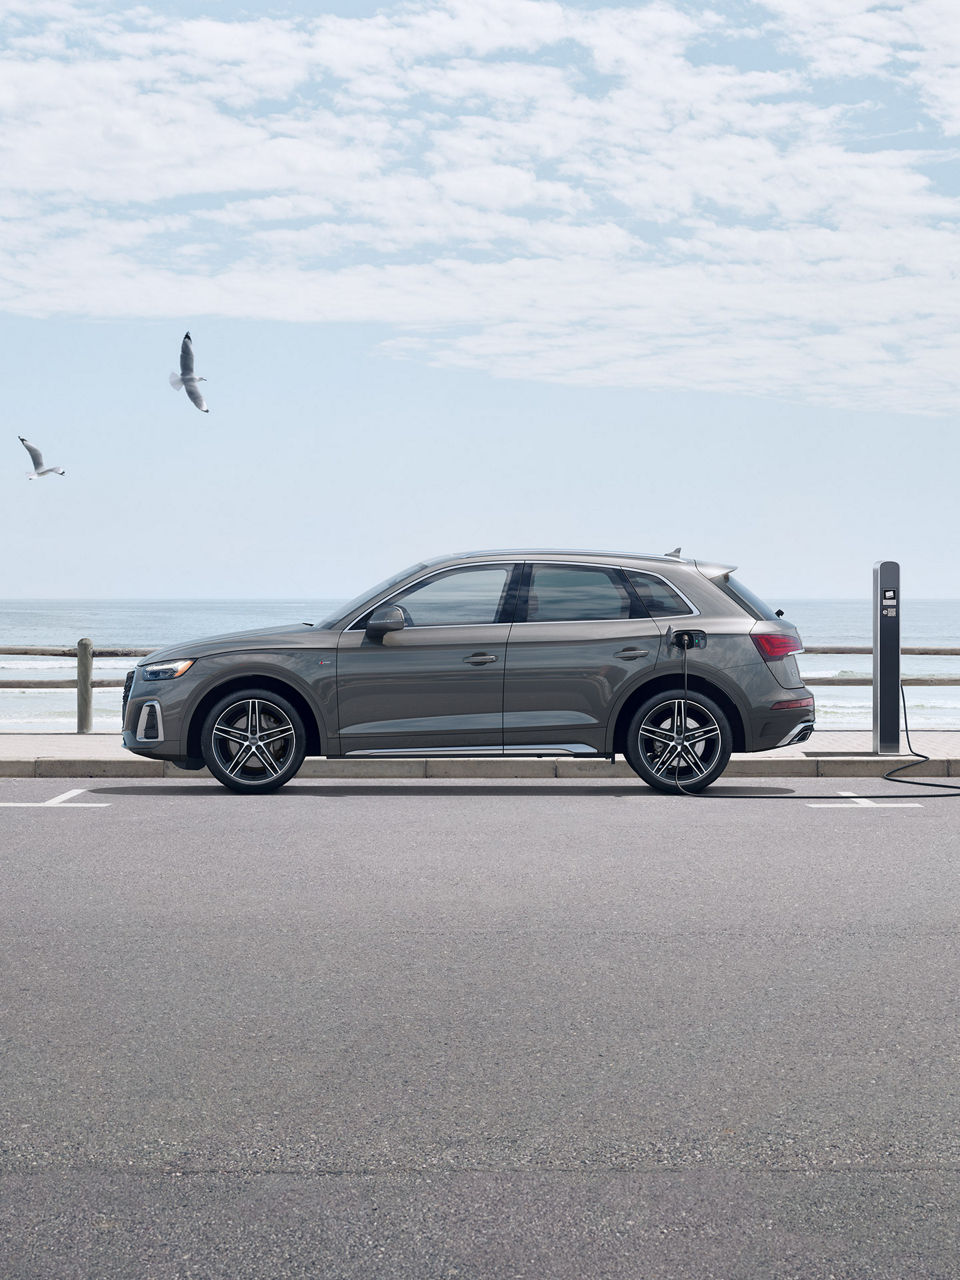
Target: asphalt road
{"x": 534, "y": 1031}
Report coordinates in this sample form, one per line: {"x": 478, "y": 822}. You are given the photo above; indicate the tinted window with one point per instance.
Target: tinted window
{"x": 745, "y": 598}
{"x": 462, "y": 596}
{"x": 659, "y": 598}
{"x": 573, "y": 593}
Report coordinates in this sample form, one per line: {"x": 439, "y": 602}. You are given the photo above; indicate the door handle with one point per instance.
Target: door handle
{"x": 629, "y": 654}
{"x": 480, "y": 659}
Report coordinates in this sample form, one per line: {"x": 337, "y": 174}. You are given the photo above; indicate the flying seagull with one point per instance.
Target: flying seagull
{"x": 186, "y": 377}
{"x": 36, "y": 457}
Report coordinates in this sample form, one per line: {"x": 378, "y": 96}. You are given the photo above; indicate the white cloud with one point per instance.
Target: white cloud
{"x": 527, "y": 188}
{"x": 914, "y": 42}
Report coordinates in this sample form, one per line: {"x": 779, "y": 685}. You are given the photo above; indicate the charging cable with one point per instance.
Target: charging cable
{"x": 952, "y": 788}
{"x": 682, "y": 641}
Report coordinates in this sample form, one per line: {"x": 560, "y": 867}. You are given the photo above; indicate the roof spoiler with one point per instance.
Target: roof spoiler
{"x": 715, "y": 570}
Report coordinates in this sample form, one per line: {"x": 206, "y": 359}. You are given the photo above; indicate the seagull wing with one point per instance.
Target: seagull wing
{"x": 186, "y": 356}
{"x": 36, "y": 457}
{"x": 193, "y": 391}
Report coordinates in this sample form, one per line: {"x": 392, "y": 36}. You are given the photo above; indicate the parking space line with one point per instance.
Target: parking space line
{"x": 64, "y": 801}
{"x": 863, "y": 802}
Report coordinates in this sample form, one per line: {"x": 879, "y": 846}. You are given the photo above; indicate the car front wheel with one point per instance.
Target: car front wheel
{"x": 253, "y": 740}
{"x": 679, "y": 742}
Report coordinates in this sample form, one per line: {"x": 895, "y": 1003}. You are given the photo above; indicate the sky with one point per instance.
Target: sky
{"x": 471, "y": 274}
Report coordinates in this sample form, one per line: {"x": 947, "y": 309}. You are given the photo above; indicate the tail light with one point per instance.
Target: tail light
{"x": 772, "y": 647}
{"x": 792, "y": 704}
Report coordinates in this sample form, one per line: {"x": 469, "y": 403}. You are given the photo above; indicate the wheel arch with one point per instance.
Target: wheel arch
{"x": 696, "y": 684}
{"x": 255, "y": 680}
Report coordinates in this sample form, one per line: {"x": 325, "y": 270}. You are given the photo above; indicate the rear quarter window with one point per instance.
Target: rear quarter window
{"x": 657, "y": 596}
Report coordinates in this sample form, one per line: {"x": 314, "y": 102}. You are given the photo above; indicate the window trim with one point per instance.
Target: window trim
{"x": 506, "y": 609}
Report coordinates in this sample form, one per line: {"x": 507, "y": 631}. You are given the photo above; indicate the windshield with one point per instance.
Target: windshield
{"x": 343, "y": 610}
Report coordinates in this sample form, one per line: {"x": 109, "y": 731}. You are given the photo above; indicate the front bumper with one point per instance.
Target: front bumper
{"x": 151, "y": 718}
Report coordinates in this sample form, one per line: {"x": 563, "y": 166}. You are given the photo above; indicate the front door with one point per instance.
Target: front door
{"x": 438, "y": 683}
{"x": 576, "y": 643}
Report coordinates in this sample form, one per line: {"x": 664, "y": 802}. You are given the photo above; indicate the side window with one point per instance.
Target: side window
{"x": 659, "y": 598}
{"x": 576, "y": 593}
{"x": 457, "y": 598}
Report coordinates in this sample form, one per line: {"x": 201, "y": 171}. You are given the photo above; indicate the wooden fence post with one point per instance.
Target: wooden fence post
{"x": 84, "y": 686}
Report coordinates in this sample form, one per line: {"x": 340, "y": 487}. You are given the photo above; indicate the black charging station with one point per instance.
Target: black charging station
{"x": 886, "y": 658}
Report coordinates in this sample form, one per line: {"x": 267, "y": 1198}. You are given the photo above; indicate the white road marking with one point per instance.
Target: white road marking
{"x": 863, "y": 802}
{"x": 67, "y": 795}
{"x": 64, "y": 801}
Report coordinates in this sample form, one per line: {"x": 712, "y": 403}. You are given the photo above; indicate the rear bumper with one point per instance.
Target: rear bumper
{"x": 771, "y": 729}
{"x": 800, "y": 733}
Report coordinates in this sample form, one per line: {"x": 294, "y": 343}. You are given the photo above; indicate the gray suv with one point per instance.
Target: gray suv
{"x": 670, "y": 662}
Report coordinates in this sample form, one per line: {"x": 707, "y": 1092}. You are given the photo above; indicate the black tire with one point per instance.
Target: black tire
{"x": 253, "y": 741}
{"x": 675, "y": 749}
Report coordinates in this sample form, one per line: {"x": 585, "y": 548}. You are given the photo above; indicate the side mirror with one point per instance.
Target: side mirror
{"x": 389, "y": 617}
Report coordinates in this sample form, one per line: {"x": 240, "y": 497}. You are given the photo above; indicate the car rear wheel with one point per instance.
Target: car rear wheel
{"x": 679, "y": 742}
{"x": 253, "y": 740}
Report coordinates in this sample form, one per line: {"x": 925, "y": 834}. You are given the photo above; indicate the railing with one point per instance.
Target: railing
{"x": 84, "y": 652}
{"x": 911, "y": 651}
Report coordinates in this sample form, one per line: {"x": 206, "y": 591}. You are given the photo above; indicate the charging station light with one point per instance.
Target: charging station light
{"x": 772, "y": 647}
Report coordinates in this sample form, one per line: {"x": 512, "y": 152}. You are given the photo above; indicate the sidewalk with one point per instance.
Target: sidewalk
{"x": 841, "y": 753}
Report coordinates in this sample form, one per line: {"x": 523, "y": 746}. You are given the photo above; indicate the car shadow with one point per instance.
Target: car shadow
{"x": 404, "y": 787}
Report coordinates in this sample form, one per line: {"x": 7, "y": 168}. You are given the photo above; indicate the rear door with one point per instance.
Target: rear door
{"x": 581, "y": 634}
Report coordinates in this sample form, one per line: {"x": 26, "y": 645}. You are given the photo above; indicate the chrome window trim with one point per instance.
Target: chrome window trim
{"x": 450, "y": 568}
{"x": 142, "y": 722}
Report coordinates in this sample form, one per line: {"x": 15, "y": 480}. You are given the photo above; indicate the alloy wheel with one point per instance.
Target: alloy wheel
{"x": 253, "y": 740}
{"x": 680, "y": 741}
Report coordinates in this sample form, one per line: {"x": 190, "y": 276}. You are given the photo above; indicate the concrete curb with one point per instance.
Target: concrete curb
{"x": 744, "y": 766}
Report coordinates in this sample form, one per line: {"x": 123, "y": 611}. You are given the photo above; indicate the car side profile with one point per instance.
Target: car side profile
{"x": 670, "y": 662}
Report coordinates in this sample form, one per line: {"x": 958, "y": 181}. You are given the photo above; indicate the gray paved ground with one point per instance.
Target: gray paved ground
{"x": 519, "y": 1029}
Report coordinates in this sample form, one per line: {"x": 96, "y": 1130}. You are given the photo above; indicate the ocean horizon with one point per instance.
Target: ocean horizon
{"x": 156, "y": 623}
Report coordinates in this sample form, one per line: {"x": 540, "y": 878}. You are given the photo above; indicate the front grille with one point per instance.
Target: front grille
{"x": 126, "y": 696}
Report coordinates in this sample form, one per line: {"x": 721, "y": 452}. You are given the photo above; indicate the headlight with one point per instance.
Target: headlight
{"x": 166, "y": 670}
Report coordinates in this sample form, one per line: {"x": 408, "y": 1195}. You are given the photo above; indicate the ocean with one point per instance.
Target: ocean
{"x": 157, "y": 623}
